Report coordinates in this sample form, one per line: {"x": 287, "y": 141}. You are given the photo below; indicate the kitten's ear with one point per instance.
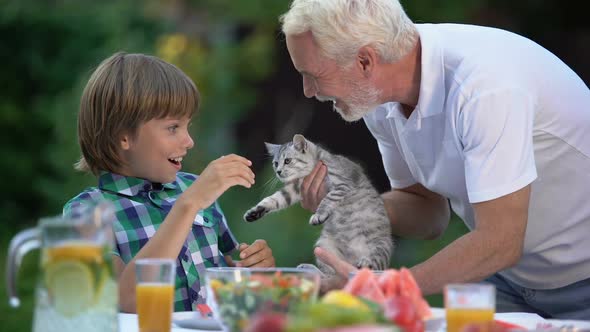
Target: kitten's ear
{"x": 299, "y": 143}
{"x": 272, "y": 148}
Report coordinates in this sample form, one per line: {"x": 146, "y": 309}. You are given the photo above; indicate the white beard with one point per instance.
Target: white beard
{"x": 362, "y": 101}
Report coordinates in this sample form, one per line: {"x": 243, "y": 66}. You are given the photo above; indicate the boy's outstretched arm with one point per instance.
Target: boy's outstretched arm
{"x": 258, "y": 254}
{"x": 218, "y": 176}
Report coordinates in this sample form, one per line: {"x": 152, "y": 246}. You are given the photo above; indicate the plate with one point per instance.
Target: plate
{"x": 569, "y": 324}
{"x": 193, "y": 320}
{"x": 436, "y": 322}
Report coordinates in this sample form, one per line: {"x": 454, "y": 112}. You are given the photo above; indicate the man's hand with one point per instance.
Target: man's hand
{"x": 341, "y": 267}
{"x": 258, "y": 254}
{"x": 313, "y": 188}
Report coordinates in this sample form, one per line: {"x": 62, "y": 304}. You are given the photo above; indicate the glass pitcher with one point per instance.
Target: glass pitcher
{"x": 76, "y": 289}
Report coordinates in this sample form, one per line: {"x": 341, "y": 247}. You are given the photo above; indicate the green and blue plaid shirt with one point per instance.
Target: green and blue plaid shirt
{"x": 141, "y": 207}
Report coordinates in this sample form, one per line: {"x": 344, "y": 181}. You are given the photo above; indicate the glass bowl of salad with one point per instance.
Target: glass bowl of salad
{"x": 237, "y": 294}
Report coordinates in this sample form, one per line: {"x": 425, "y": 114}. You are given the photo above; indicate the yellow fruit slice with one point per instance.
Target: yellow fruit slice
{"x": 70, "y": 285}
{"x": 77, "y": 251}
{"x": 215, "y": 284}
{"x": 344, "y": 299}
{"x": 107, "y": 291}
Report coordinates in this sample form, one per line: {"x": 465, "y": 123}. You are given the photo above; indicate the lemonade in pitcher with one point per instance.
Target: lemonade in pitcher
{"x": 76, "y": 289}
{"x": 80, "y": 290}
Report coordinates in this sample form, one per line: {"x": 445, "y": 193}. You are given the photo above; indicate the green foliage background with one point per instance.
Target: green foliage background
{"x": 231, "y": 49}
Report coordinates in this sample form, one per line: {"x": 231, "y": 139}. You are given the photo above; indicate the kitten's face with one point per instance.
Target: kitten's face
{"x": 292, "y": 160}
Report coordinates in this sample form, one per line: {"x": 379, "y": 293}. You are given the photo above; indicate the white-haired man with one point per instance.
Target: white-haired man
{"x": 479, "y": 117}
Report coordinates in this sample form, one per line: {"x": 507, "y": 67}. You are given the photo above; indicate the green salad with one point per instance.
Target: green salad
{"x": 237, "y": 301}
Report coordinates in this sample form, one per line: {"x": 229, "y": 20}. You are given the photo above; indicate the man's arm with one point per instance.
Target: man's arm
{"x": 413, "y": 211}
{"x": 495, "y": 244}
{"x": 417, "y": 212}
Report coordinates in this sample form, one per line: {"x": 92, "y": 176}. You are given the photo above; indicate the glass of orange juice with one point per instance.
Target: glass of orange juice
{"x": 469, "y": 304}
{"x": 154, "y": 291}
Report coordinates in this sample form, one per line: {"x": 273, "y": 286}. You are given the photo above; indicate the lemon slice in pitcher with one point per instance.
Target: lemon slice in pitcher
{"x": 107, "y": 292}
{"x": 70, "y": 285}
{"x": 76, "y": 250}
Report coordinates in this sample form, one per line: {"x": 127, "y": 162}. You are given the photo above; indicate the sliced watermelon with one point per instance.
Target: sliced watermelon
{"x": 409, "y": 288}
{"x": 389, "y": 283}
{"x": 364, "y": 284}
{"x": 508, "y": 326}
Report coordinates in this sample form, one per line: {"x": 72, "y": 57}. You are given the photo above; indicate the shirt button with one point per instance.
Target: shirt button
{"x": 195, "y": 297}
{"x": 185, "y": 257}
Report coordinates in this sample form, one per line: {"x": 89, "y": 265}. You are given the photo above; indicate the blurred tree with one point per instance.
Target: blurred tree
{"x": 48, "y": 50}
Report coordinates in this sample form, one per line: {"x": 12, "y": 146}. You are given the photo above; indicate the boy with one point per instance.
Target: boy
{"x": 133, "y": 133}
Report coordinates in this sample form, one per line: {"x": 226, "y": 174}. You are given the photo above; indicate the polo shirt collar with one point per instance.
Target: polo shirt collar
{"x": 129, "y": 186}
{"x": 432, "y": 93}
{"x": 432, "y": 75}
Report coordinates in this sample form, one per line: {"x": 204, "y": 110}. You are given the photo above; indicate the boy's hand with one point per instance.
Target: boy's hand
{"x": 313, "y": 187}
{"x": 258, "y": 254}
{"x": 218, "y": 176}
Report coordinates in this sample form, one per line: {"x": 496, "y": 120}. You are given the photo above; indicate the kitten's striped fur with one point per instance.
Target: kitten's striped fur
{"x": 356, "y": 226}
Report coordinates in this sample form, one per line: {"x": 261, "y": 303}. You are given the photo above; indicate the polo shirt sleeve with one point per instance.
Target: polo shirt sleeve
{"x": 226, "y": 240}
{"x": 395, "y": 166}
{"x": 496, "y": 130}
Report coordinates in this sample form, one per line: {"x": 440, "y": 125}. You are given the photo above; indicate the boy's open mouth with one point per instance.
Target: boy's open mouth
{"x": 175, "y": 161}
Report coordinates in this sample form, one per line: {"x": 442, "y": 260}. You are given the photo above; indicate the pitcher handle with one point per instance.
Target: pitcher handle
{"x": 20, "y": 245}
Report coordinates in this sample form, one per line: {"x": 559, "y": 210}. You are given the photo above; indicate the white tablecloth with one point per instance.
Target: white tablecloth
{"x": 524, "y": 319}
{"x": 128, "y": 322}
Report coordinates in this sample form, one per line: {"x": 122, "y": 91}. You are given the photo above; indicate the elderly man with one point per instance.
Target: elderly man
{"x": 479, "y": 117}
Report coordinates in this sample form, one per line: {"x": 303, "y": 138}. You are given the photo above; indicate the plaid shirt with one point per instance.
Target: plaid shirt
{"x": 141, "y": 207}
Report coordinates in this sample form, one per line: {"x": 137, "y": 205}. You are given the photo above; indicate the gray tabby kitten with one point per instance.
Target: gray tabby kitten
{"x": 356, "y": 227}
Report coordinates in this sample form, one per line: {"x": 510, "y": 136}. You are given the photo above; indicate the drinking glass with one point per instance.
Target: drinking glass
{"x": 469, "y": 303}
{"x": 154, "y": 293}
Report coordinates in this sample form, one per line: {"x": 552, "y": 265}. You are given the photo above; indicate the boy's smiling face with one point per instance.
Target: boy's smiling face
{"x": 155, "y": 153}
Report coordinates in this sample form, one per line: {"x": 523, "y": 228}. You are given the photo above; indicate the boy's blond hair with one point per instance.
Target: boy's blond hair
{"x": 125, "y": 91}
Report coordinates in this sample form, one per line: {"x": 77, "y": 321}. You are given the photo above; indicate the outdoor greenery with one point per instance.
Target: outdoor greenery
{"x": 235, "y": 53}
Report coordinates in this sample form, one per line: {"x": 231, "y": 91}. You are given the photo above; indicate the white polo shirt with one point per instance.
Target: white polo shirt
{"x": 495, "y": 113}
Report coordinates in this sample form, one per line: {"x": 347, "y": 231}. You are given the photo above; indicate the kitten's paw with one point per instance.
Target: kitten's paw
{"x": 318, "y": 218}
{"x": 255, "y": 213}
{"x": 365, "y": 262}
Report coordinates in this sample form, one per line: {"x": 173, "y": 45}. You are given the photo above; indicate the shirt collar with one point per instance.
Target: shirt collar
{"x": 432, "y": 81}
{"x": 130, "y": 186}
{"x": 393, "y": 110}
{"x": 432, "y": 93}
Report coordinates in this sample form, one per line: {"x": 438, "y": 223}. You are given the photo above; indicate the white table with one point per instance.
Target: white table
{"x": 128, "y": 322}
{"x": 527, "y": 320}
